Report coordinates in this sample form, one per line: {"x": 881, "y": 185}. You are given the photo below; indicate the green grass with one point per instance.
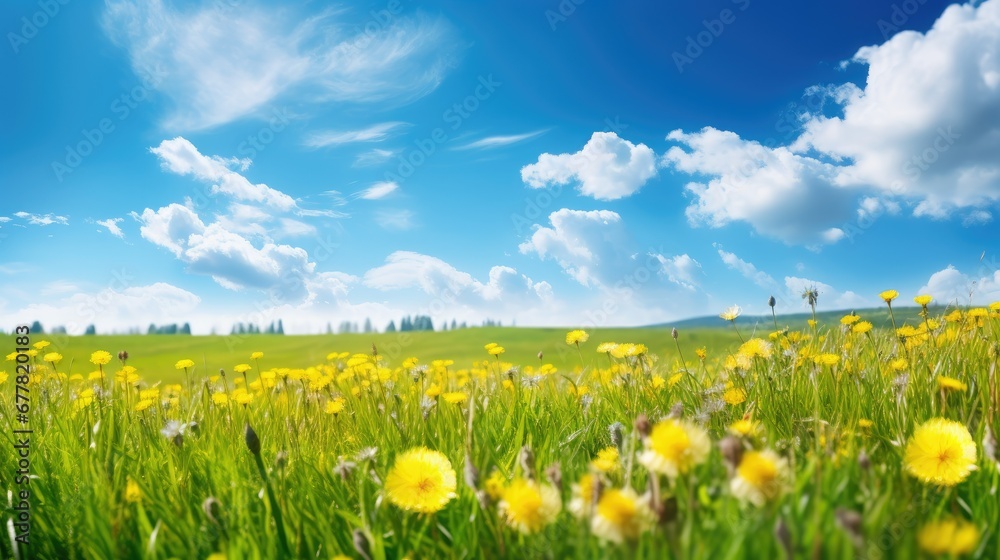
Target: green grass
{"x": 155, "y": 355}
{"x": 314, "y": 486}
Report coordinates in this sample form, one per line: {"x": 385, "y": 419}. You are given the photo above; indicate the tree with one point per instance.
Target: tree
{"x": 186, "y": 328}
{"x": 151, "y": 329}
{"x": 391, "y": 327}
{"x": 453, "y": 325}
{"x": 368, "y": 325}
{"x": 91, "y": 330}
{"x": 281, "y": 328}
{"x": 36, "y": 328}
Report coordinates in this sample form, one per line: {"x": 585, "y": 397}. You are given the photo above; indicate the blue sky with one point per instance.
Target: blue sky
{"x": 549, "y": 163}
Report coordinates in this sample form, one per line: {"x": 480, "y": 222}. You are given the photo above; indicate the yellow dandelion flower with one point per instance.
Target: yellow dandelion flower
{"x": 184, "y": 364}
{"x": 734, "y": 396}
{"x": 529, "y": 506}
{"x": 53, "y": 358}
{"x": 455, "y": 397}
{"x": 3, "y": 376}
{"x": 335, "y": 406}
{"x": 41, "y": 344}
{"x": 760, "y": 477}
{"x": 827, "y": 359}
{"x": 84, "y": 398}
{"x": 133, "y": 493}
{"x": 701, "y": 352}
{"x": 144, "y": 404}
{"x": 497, "y": 350}
{"x": 95, "y": 376}
{"x": 576, "y": 337}
{"x": 941, "y": 452}
{"x": 743, "y": 427}
{"x": 256, "y": 355}
{"x": 946, "y": 383}
{"x": 490, "y": 346}
{"x": 607, "y": 460}
{"x": 675, "y": 379}
{"x": 889, "y": 295}
{"x": 241, "y": 368}
{"x": 865, "y": 423}
{"x": 899, "y": 364}
{"x": 100, "y": 358}
{"x": 953, "y": 537}
{"x": 755, "y": 348}
{"x": 494, "y": 485}
{"x": 621, "y": 515}
{"x": 421, "y": 480}
{"x": 433, "y": 391}
{"x": 861, "y": 327}
{"x": 243, "y": 397}
{"x": 674, "y": 447}
{"x": 850, "y": 319}
{"x": 731, "y": 313}
{"x": 606, "y": 347}
{"x": 221, "y": 399}
{"x": 657, "y": 382}
{"x": 923, "y": 300}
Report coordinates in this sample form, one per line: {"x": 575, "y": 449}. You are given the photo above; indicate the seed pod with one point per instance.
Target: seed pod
{"x": 673, "y": 333}
{"x": 771, "y": 301}
{"x": 617, "y": 435}
{"x": 251, "y": 439}
{"x": 539, "y": 356}
{"x": 527, "y": 459}
{"x": 554, "y": 475}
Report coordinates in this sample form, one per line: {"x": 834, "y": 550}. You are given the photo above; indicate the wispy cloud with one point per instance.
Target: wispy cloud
{"x": 498, "y": 141}
{"x": 221, "y": 65}
{"x": 373, "y": 133}
{"x": 42, "y": 219}
{"x": 399, "y": 220}
{"x": 378, "y": 190}
{"x": 112, "y": 225}
{"x": 374, "y": 157}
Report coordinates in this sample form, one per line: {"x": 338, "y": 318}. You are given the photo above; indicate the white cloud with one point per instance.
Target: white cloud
{"x": 42, "y": 219}
{"x": 372, "y": 157}
{"x": 218, "y": 65}
{"x": 977, "y": 218}
{"x": 952, "y": 287}
{"x": 748, "y": 270}
{"x": 4, "y": 219}
{"x": 871, "y": 208}
{"x": 295, "y": 228}
{"x": 926, "y": 126}
{"x": 829, "y": 297}
{"x": 182, "y": 157}
{"x": 373, "y": 133}
{"x": 109, "y": 308}
{"x": 498, "y": 141}
{"x": 379, "y": 190}
{"x": 782, "y": 195}
{"x": 588, "y": 245}
{"x": 405, "y": 269}
{"x": 607, "y": 168}
{"x": 681, "y": 270}
{"x": 112, "y": 225}
{"x": 398, "y": 220}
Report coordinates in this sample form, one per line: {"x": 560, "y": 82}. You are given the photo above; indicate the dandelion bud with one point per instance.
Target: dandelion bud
{"x": 253, "y": 442}
{"x": 361, "y": 544}
{"x": 784, "y": 537}
{"x": 642, "y": 425}
{"x": 732, "y": 451}
{"x": 212, "y": 509}
{"x": 850, "y": 520}
{"x": 673, "y": 333}
{"x": 771, "y": 301}
{"x": 471, "y": 473}
{"x": 123, "y": 356}
{"x": 222, "y": 372}
{"x": 863, "y": 461}
{"x": 539, "y": 356}
{"x": 554, "y": 476}
{"x": 527, "y": 459}
{"x": 374, "y": 350}
{"x": 617, "y": 435}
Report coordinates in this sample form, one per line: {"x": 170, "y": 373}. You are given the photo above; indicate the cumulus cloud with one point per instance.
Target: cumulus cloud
{"x": 219, "y": 65}
{"x": 950, "y": 286}
{"x": 588, "y": 245}
{"x": 926, "y": 126}
{"x": 607, "y": 168}
{"x": 780, "y": 194}
{"x": 435, "y": 277}
{"x": 182, "y": 157}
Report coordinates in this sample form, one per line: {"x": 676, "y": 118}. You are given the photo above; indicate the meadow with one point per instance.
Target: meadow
{"x": 843, "y": 437}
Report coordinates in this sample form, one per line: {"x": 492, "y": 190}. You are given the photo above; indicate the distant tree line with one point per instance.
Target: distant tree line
{"x": 172, "y": 328}
{"x": 250, "y": 328}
